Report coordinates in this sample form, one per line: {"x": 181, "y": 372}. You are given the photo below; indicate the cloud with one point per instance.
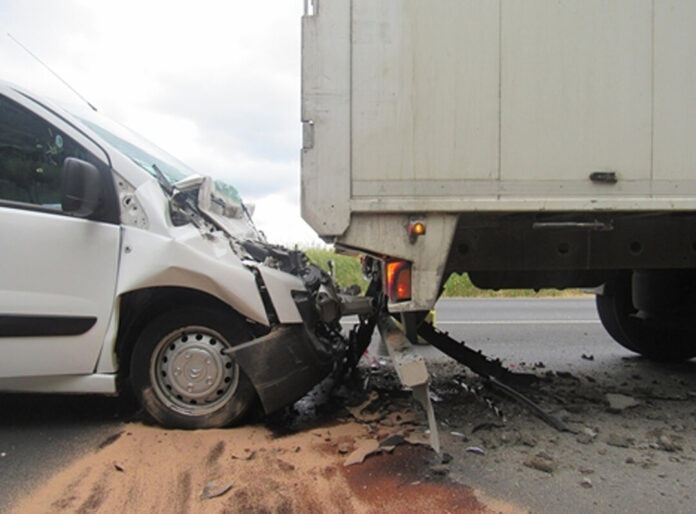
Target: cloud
{"x": 278, "y": 216}
{"x": 215, "y": 83}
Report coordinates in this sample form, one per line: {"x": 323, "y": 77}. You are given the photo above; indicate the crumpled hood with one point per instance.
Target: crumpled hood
{"x": 222, "y": 205}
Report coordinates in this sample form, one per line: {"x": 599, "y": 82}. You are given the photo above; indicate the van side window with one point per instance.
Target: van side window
{"x": 32, "y": 152}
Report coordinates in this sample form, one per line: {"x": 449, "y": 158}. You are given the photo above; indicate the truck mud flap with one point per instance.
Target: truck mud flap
{"x": 282, "y": 365}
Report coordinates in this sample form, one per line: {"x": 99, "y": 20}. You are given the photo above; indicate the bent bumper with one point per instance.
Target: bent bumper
{"x": 282, "y": 365}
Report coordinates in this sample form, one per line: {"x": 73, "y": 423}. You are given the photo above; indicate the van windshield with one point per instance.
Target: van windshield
{"x": 137, "y": 148}
{"x": 144, "y": 153}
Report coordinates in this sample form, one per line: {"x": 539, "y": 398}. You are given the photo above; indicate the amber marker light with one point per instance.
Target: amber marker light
{"x": 415, "y": 229}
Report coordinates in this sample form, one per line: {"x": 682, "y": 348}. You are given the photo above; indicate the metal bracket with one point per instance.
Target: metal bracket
{"x": 497, "y": 376}
{"x": 411, "y": 369}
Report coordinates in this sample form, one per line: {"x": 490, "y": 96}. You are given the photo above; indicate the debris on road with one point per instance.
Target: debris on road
{"x": 620, "y": 441}
{"x": 542, "y": 461}
{"x": 211, "y": 490}
{"x": 476, "y": 450}
{"x": 250, "y": 454}
{"x": 586, "y": 436}
{"x": 586, "y": 483}
{"x": 620, "y": 402}
{"x": 487, "y": 426}
{"x": 440, "y": 469}
{"x": 667, "y": 444}
{"x": 363, "y": 449}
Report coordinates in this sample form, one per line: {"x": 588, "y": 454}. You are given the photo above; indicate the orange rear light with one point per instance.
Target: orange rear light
{"x": 398, "y": 280}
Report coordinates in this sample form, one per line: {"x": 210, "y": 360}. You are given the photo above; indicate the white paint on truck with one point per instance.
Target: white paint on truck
{"x": 456, "y": 109}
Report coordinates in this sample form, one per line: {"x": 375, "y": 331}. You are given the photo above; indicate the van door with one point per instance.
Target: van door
{"x": 57, "y": 271}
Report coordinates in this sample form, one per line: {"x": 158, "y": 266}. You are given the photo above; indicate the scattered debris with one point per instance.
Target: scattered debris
{"x": 360, "y": 414}
{"x": 118, "y": 467}
{"x": 249, "y": 456}
{"x": 620, "y": 402}
{"x": 110, "y": 440}
{"x": 586, "y": 436}
{"x": 566, "y": 374}
{"x": 393, "y": 441}
{"x": 285, "y": 466}
{"x": 440, "y": 469}
{"x": 418, "y": 438}
{"x": 363, "y": 449}
{"x": 528, "y": 440}
{"x": 366, "y": 447}
{"x": 542, "y": 461}
{"x": 476, "y": 450}
{"x": 667, "y": 444}
{"x": 588, "y": 358}
{"x": 435, "y": 398}
{"x": 211, "y": 490}
{"x": 586, "y": 483}
{"x": 620, "y": 441}
{"x": 398, "y": 418}
{"x": 486, "y": 426}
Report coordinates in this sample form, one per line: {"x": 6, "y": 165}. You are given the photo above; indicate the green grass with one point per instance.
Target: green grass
{"x": 348, "y": 270}
{"x": 460, "y": 286}
{"x": 348, "y": 273}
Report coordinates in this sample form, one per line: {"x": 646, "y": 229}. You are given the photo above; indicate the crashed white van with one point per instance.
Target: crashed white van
{"x": 119, "y": 266}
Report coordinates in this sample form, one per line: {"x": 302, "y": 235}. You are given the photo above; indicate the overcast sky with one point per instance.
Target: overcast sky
{"x": 215, "y": 83}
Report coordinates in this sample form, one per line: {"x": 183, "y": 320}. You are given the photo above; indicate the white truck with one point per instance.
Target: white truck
{"x": 120, "y": 267}
{"x": 530, "y": 144}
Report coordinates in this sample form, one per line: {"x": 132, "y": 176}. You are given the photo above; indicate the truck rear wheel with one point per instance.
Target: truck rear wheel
{"x": 657, "y": 342}
{"x": 182, "y": 375}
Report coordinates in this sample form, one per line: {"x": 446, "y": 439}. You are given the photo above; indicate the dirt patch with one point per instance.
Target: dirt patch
{"x": 398, "y": 481}
{"x": 151, "y": 469}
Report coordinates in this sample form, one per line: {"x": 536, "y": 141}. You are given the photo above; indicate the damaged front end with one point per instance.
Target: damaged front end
{"x": 303, "y": 342}
{"x": 287, "y": 362}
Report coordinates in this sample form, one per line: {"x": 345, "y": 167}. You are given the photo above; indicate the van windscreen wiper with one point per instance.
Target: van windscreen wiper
{"x": 166, "y": 185}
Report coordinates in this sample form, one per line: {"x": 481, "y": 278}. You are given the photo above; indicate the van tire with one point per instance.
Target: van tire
{"x": 181, "y": 375}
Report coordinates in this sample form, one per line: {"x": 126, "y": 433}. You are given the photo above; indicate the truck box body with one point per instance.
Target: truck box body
{"x": 543, "y": 142}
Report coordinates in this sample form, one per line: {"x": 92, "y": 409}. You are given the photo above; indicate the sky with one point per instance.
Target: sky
{"x": 214, "y": 83}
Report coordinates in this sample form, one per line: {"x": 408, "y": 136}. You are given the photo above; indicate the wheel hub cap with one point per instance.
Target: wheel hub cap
{"x": 192, "y": 370}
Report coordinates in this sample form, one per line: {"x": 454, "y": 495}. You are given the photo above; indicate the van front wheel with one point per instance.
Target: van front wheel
{"x": 182, "y": 373}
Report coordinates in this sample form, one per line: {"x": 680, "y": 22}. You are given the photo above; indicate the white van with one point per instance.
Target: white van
{"x": 119, "y": 265}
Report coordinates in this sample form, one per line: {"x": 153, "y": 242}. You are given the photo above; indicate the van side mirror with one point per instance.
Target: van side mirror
{"x": 81, "y": 192}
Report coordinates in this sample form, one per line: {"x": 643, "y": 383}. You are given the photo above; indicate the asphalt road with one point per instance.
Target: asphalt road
{"x": 39, "y": 434}
{"x": 42, "y": 433}
{"x": 556, "y": 331}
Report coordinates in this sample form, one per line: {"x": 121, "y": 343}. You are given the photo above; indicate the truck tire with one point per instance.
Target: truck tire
{"x": 617, "y": 313}
{"x": 180, "y": 374}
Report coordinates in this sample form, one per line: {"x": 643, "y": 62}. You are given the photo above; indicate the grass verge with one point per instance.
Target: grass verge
{"x": 348, "y": 272}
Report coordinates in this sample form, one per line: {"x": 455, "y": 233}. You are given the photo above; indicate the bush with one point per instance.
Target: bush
{"x": 348, "y": 273}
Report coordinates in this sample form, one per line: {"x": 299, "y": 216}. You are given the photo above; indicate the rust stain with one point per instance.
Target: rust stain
{"x": 402, "y": 479}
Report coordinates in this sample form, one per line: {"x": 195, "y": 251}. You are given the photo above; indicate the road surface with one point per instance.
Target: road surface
{"x": 42, "y": 434}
